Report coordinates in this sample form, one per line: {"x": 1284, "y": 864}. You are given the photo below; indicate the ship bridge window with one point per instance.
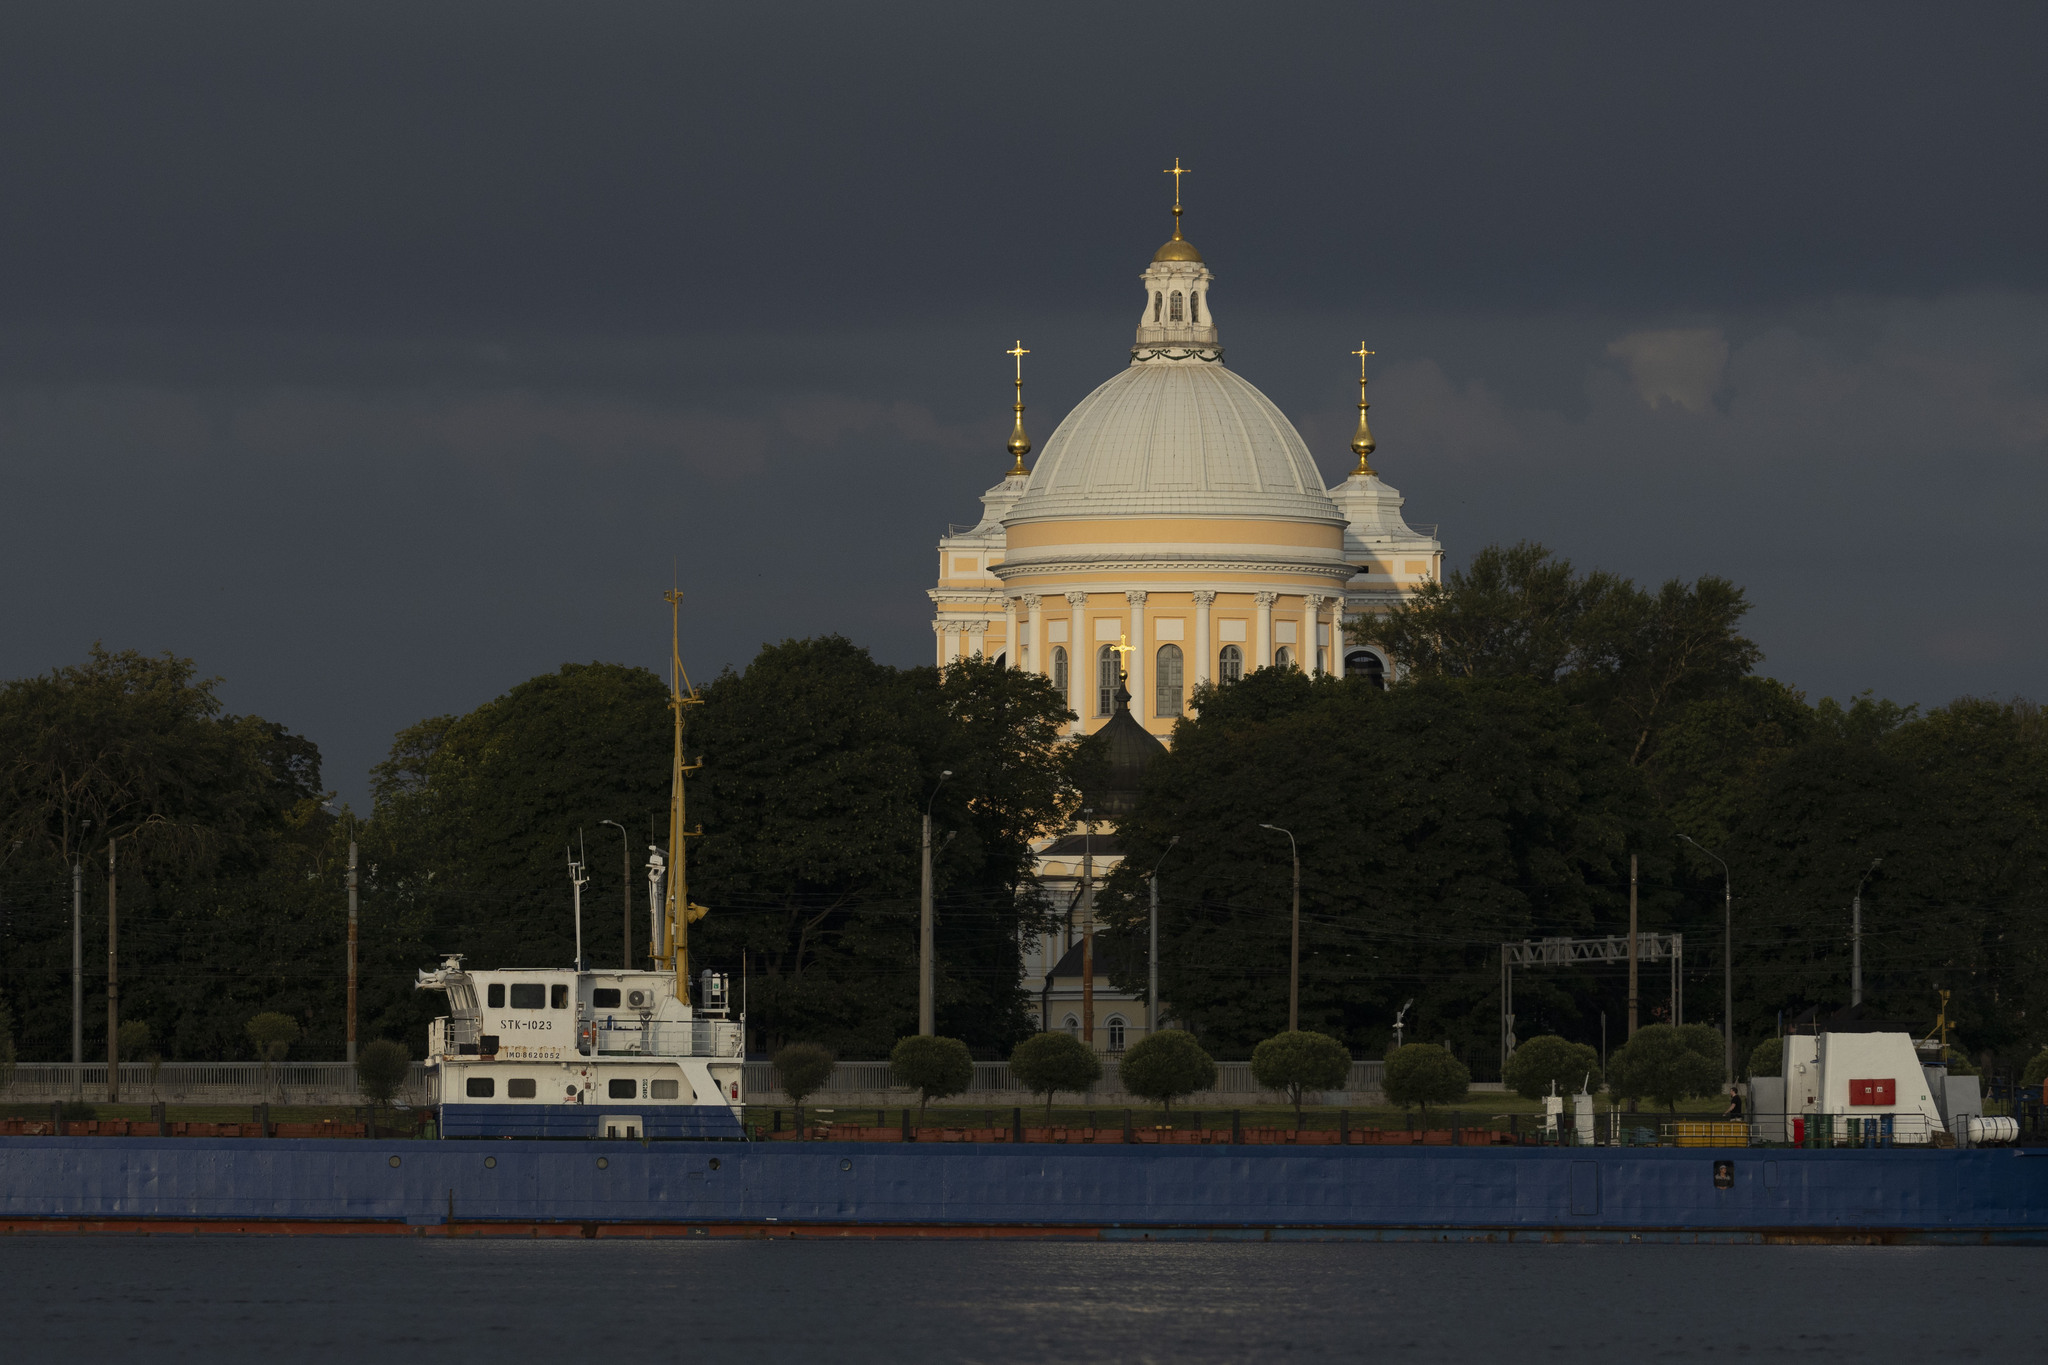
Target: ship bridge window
{"x": 529, "y": 995}
{"x": 604, "y": 998}
{"x": 480, "y": 1087}
{"x": 518, "y": 1089}
{"x": 494, "y": 995}
{"x": 664, "y": 1090}
{"x": 558, "y": 996}
{"x": 626, "y": 1089}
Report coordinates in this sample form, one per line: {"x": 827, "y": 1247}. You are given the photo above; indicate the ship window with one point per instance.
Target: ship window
{"x": 480, "y": 1087}
{"x": 559, "y": 997}
{"x": 529, "y": 995}
{"x": 1195, "y": 308}
{"x": 621, "y": 1090}
{"x": 1059, "y": 669}
{"x": 519, "y": 1090}
{"x": 664, "y": 1090}
{"x": 1230, "y": 664}
{"x": 494, "y": 995}
{"x": 1173, "y": 309}
{"x": 605, "y": 998}
{"x": 1166, "y": 682}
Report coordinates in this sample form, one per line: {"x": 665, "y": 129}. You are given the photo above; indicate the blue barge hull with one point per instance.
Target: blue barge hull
{"x": 533, "y": 1188}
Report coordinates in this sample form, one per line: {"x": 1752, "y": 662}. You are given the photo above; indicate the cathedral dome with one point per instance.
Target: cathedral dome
{"x": 1175, "y": 438}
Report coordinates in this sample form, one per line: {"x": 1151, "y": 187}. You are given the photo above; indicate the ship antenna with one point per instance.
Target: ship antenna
{"x": 577, "y": 881}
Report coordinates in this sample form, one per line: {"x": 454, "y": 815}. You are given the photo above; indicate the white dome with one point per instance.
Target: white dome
{"x": 1175, "y": 438}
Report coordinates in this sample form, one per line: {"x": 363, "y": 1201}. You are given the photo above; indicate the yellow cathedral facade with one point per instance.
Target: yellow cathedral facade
{"x": 1175, "y": 521}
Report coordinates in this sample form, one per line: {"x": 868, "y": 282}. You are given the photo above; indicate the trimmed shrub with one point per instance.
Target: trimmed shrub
{"x": 1423, "y": 1074}
{"x": 803, "y": 1069}
{"x": 1301, "y": 1061}
{"x": 1166, "y": 1066}
{"x": 1664, "y": 1064}
{"x": 936, "y": 1067}
{"x": 1048, "y": 1062}
{"x": 381, "y": 1069}
{"x": 1533, "y": 1067}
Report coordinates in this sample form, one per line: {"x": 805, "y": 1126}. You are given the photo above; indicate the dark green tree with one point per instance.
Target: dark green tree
{"x": 1166, "y": 1066}
{"x": 1423, "y": 1074}
{"x": 803, "y": 1069}
{"x": 936, "y": 1068}
{"x": 1046, "y": 1063}
{"x": 1541, "y": 1063}
{"x": 1666, "y": 1064}
{"x": 1300, "y": 1061}
{"x": 381, "y": 1070}
{"x": 1767, "y": 1058}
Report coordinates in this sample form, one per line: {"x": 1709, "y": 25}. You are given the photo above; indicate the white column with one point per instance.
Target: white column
{"x": 1136, "y": 668}
{"x": 1205, "y": 653}
{"x": 939, "y": 642}
{"x": 1337, "y": 645}
{"x": 1041, "y": 663}
{"x": 1265, "y": 654}
{"x": 953, "y": 641}
{"x": 1314, "y": 602}
{"x": 978, "y": 631}
{"x": 1010, "y": 651}
{"x": 1080, "y": 660}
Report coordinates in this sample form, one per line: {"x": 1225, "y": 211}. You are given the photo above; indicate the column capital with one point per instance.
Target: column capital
{"x": 1205, "y": 599}
{"x": 1030, "y": 601}
{"x": 1265, "y": 599}
{"x": 941, "y": 627}
{"x": 1136, "y": 597}
{"x": 976, "y": 627}
{"x": 1077, "y": 599}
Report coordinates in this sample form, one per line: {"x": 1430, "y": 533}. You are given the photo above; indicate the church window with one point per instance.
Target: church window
{"x": 1116, "y": 1033}
{"x": 1195, "y": 307}
{"x": 1322, "y": 660}
{"x": 1283, "y": 657}
{"x": 1073, "y": 1026}
{"x": 1166, "y": 680}
{"x": 1158, "y": 301}
{"x": 1173, "y": 314}
{"x": 1363, "y": 663}
{"x": 1105, "y": 680}
{"x": 1059, "y": 668}
{"x": 1230, "y": 664}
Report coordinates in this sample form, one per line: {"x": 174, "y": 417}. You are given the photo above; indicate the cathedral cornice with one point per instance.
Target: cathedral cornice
{"x": 1336, "y": 572}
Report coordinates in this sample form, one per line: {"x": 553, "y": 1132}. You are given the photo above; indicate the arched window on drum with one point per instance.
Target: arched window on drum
{"x": 1229, "y": 664}
{"x": 1363, "y": 663}
{"x": 1166, "y": 682}
{"x": 1283, "y": 657}
{"x": 1059, "y": 668}
{"x": 1173, "y": 307}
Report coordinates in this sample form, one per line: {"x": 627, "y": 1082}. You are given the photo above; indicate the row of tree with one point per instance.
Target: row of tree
{"x": 1551, "y": 727}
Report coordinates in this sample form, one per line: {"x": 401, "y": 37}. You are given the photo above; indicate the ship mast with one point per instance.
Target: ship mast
{"x": 677, "y": 912}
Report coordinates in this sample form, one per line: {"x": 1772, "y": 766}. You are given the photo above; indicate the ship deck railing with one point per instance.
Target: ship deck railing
{"x": 208, "y": 1083}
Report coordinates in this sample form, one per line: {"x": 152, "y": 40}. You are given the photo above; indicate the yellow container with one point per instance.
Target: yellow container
{"x": 1711, "y": 1134}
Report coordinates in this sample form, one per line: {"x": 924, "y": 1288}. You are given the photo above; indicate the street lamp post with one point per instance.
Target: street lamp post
{"x": 1152, "y": 987}
{"x": 1727, "y": 960}
{"x": 925, "y": 1025}
{"x": 1856, "y": 936}
{"x": 1294, "y": 949}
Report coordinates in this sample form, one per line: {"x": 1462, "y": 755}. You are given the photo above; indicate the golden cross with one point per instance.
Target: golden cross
{"x": 1123, "y": 653}
{"x": 1020, "y": 353}
{"x": 1362, "y": 353}
{"x": 1177, "y": 171}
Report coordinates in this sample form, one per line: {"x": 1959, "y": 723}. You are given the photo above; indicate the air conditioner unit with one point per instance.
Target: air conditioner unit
{"x": 639, "y": 1000}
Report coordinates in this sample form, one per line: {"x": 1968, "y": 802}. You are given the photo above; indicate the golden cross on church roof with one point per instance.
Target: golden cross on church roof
{"x": 1362, "y": 353}
{"x": 1176, "y": 171}
{"x": 1361, "y": 440}
{"x": 1019, "y": 352}
{"x": 1020, "y": 444}
{"x": 1123, "y": 653}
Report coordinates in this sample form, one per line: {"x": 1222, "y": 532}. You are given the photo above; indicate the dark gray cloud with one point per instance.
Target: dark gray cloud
{"x": 380, "y": 356}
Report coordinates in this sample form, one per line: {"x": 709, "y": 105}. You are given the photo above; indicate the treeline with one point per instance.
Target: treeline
{"x": 1551, "y": 725}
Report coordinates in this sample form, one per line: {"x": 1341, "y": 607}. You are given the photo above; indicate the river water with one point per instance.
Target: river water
{"x": 307, "y": 1299}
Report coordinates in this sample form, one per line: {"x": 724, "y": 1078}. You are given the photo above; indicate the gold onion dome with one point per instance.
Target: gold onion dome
{"x": 1178, "y": 249}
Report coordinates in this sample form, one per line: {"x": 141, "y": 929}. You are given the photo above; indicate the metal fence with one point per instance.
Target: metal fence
{"x": 993, "y": 1084}
{"x": 286, "y": 1083}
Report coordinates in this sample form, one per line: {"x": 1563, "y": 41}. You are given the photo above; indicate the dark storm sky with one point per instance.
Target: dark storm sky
{"x": 381, "y": 356}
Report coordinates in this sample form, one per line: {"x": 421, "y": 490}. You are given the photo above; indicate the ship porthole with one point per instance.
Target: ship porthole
{"x": 845, "y": 1164}
{"x": 603, "y": 1163}
{"x": 490, "y": 1163}
{"x": 714, "y": 1163}
{"x": 394, "y": 1161}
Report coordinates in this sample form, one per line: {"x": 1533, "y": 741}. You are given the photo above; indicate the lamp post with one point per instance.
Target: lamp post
{"x": 625, "y": 892}
{"x": 1152, "y": 987}
{"x": 1294, "y": 949}
{"x": 1856, "y": 936}
{"x": 925, "y": 1025}
{"x": 1727, "y": 960}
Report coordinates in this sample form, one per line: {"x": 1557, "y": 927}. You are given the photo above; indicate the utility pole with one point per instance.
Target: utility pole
{"x": 78, "y": 950}
{"x": 1294, "y": 949}
{"x": 625, "y": 892}
{"x": 1088, "y": 931}
{"x": 113, "y": 988}
{"x": 351, "y": 952}
{"x": 1152, "y": 959}
{"x": 1856, "y": 938}
{"x": 926, "y": 1024}
{"x": 1631, "y": 945}
{"x": 1727, "y": 960}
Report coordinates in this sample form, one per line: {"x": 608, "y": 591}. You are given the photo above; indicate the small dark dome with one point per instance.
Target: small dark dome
{"x": 1131, "y": 749}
